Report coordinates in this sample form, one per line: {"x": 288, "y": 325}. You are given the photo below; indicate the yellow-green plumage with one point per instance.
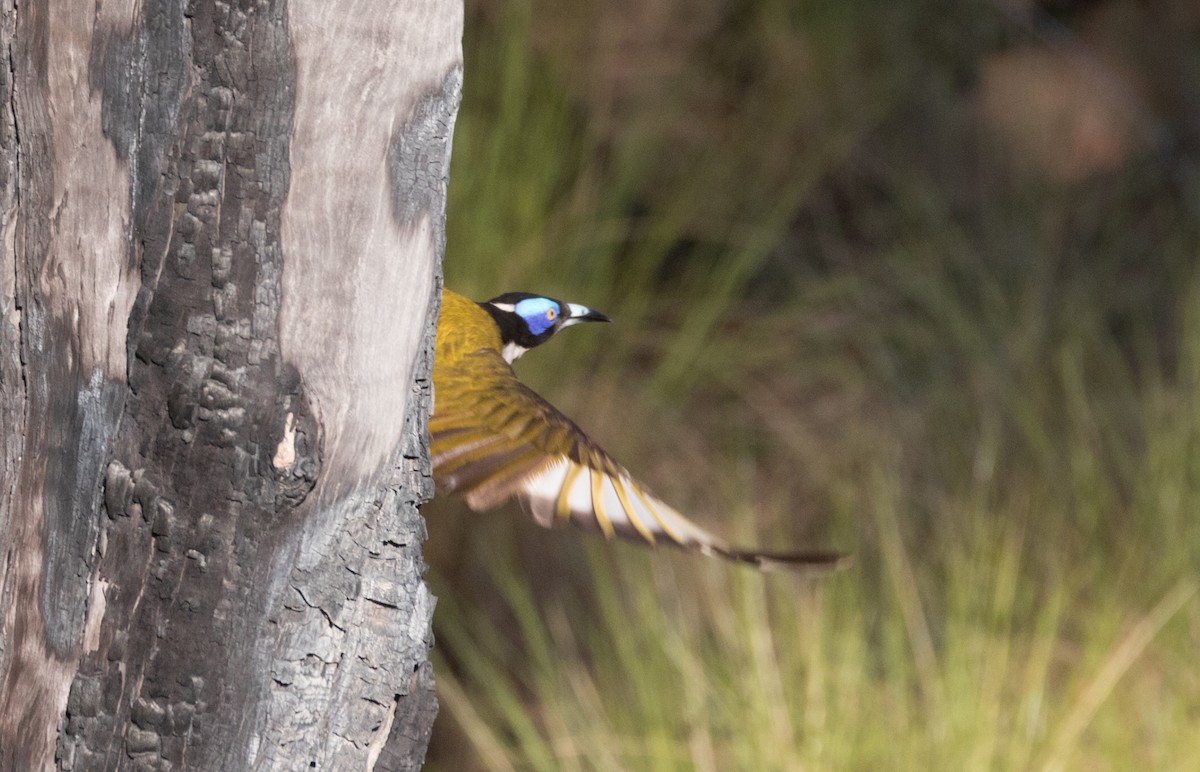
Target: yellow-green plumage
{"x": 494, "y": 438}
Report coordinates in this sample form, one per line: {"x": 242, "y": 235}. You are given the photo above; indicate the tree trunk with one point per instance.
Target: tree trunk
{"x": 220, "y": 232}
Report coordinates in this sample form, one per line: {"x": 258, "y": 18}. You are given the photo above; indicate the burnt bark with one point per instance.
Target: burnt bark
{"x": 221, "y": 226}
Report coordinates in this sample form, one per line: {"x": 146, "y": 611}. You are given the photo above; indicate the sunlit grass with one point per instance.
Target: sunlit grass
{"x": 672, "y": 666}
{"x": 992, "y": 405}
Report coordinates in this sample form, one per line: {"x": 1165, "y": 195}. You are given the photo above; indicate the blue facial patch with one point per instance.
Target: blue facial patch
{"x": 539, "y": 313}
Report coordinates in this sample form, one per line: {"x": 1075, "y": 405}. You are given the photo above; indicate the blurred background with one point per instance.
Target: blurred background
{"x": 916, "y": 280}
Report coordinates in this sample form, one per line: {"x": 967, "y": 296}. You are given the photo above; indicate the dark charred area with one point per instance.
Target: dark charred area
{"x": 190, "y": 495}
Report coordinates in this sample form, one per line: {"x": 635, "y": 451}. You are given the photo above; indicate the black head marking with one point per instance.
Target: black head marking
{"x": 527, "y": 320}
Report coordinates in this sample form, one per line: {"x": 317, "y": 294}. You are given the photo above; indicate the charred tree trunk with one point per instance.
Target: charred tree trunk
{"x": 220, "y": 233}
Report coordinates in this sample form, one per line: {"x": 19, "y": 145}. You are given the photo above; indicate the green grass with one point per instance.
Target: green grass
{"x": 830, "y": 329}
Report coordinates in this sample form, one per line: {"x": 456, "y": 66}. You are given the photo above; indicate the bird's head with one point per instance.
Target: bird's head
{"x": 527, "y": 320}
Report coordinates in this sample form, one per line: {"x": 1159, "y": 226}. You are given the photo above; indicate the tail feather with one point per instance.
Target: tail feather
{"x": 808, "y": 560}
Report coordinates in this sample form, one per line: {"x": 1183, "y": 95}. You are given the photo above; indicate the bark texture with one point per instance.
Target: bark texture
{"x": 221, "y": 226}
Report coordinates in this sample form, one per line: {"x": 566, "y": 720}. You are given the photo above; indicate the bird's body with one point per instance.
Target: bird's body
{"x": 494, "y": 438}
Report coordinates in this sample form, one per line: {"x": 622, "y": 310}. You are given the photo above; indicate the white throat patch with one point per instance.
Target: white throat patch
{"x": 512, "y": 352}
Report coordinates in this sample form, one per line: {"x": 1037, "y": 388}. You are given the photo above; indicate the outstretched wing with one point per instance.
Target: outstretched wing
{"x": 493, "y": 437}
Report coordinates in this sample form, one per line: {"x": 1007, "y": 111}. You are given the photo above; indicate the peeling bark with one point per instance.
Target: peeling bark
{"x": 220, "y": 231}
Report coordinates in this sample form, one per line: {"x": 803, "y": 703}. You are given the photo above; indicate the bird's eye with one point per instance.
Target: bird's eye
{"x": 551, "y": 313}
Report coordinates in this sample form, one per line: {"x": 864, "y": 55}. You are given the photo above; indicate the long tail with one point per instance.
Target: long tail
{"x": 809, "y": 560}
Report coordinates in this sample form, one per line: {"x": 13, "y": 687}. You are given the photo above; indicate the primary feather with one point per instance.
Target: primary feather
{"x": 494, "y": 438}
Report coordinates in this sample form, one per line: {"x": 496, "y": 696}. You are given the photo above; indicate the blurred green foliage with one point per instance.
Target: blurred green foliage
{"x": 850, "y": 312}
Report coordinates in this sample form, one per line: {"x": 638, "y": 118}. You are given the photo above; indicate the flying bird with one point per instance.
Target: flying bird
{"x": 494, "y": 438}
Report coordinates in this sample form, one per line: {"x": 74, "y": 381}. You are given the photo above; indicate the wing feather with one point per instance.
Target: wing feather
{"x": 495, "y": 438}
{"x": 562, "y": 502}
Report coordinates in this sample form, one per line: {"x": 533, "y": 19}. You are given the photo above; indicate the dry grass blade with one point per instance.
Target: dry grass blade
{"x": 1123, "y": 655}
{"x": 491, "y": 751}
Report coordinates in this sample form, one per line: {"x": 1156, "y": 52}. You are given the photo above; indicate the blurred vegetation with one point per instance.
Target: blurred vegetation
{"x": 917, "y": 280}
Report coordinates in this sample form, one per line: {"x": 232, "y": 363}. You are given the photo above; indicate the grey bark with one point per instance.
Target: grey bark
{"x": 221, "y": 226}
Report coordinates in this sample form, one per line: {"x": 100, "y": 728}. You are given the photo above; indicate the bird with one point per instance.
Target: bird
{"x": 493, "y": 438}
